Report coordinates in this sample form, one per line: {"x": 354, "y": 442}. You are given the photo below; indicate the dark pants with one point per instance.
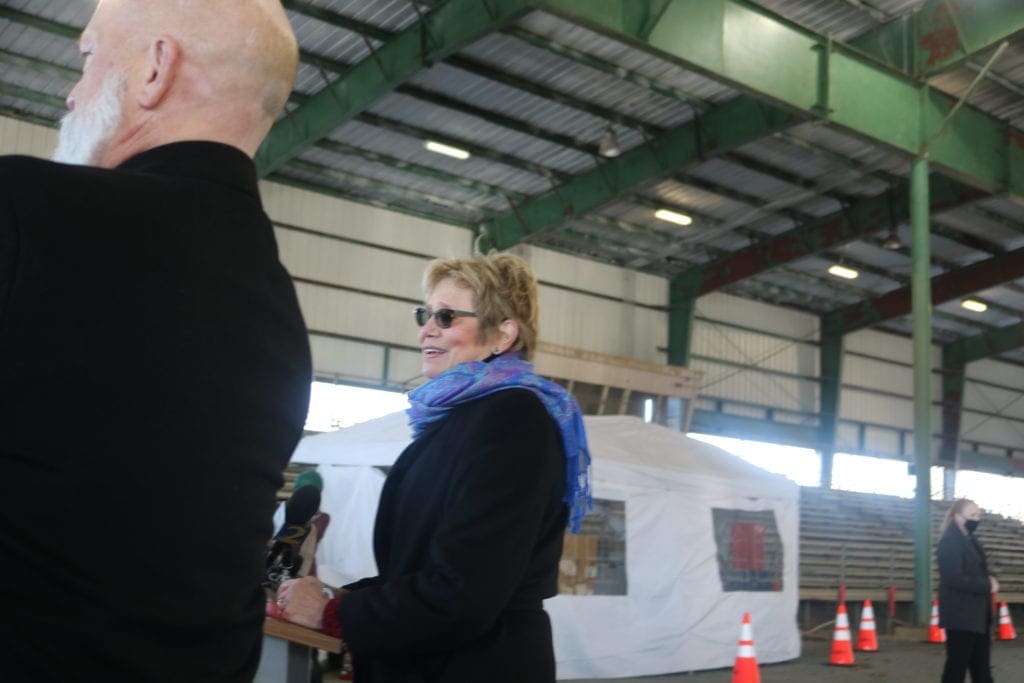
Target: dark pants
{"x": 967, "y": 651}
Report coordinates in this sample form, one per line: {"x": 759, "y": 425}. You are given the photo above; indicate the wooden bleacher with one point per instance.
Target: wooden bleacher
{"x": 868, "y": 538}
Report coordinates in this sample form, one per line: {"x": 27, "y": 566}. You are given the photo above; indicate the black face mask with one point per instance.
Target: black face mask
{"x": 971, "y": 525}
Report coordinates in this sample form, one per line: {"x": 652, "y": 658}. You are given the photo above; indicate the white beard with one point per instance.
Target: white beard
{"x": 86, "y": 132}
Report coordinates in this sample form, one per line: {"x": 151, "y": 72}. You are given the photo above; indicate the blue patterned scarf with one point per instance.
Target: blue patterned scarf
{"x": 466, "y": 382}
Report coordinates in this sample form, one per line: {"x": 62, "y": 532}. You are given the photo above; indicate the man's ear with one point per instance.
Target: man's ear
{"x": 162, "y": 60}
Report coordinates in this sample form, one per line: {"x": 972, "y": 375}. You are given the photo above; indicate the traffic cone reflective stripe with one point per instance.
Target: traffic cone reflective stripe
{"x": 745, "y": 669}
{"x": 842, "y": 648}
{"x": 1006, "y": 631}
{"x": 867, "y": 636}
{"x": 935, "y": 633}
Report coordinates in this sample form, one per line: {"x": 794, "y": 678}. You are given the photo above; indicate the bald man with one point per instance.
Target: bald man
{"x": 154, "y": 365}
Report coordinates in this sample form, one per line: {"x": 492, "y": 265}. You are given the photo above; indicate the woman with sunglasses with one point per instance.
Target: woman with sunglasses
{"x": 470, "y": 523}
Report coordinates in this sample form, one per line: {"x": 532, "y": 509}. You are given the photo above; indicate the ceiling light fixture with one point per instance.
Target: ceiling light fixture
{"x": 673, "y": 217}
{"x": 974, "y": 305}
{"x": 446, "y": 150}
{"x": 609, "y": 146}
{"x": 842, "y": 271}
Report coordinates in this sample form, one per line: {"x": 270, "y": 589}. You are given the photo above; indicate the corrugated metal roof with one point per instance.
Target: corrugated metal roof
{"x": 1001, "y": 90}
{"x": 533, "y": 102}
{"x": 75, "y": 13}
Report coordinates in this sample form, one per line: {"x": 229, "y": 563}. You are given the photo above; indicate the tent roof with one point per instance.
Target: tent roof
{"x": 622, "y": 439}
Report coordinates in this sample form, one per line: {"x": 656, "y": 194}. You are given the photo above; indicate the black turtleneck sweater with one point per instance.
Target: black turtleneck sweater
{"x": 154, "y": 379}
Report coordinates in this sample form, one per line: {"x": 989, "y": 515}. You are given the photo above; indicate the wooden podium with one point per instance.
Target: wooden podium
{"x": 289, "y": 652}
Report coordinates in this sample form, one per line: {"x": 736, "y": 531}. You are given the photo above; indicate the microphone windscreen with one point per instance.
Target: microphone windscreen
{"x": 302, "y": 505}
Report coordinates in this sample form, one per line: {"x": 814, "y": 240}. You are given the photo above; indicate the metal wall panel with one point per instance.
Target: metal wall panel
{"x": 889, "y": 377}
{"x": 595, "y": 324}
{"x": 360, "y": 221}
{"x": 350, "y": 265}
{"x": 879, "y": 409}
{"x": 712, "y": 339}
{"x": 587, "y": 275}
{"x": 758, "y": 315}
{"x": 17, "y": 137}
{"x": 347, "y": 361}
{"x": 724, "y": 382}
{"x": 996, "y": 372}
{"x": 365, "y": 363}
{"x": 882, "y": 344}
{"x": 356, "y": 315}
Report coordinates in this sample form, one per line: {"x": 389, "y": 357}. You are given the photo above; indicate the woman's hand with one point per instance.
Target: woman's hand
{"x": 994, "y": 582}
{"x": 302, "y": 601}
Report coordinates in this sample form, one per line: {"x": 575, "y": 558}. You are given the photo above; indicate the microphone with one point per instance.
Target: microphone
{"x": 283, "y": 558}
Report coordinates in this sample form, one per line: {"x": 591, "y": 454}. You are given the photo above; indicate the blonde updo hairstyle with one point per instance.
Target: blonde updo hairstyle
{"x": 503, "y": 287}
{"x": 957, "y": 508}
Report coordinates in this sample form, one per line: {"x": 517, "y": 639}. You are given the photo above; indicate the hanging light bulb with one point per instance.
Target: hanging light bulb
{"x": 609, "y": 146}
{"x": 892, "y": 241}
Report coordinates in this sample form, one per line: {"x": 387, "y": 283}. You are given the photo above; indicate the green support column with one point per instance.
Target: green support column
{"x": 681, "y": 304}
{"x": 831, "y": 362}
{"x": 921, "y": 295}
{"x": 953, "y": 379}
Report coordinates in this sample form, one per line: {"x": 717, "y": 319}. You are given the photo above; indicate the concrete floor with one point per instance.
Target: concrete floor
{"x": 898, "y": 661}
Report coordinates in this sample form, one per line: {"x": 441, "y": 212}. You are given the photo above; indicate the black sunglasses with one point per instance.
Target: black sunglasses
{"x": 444, "y": 317}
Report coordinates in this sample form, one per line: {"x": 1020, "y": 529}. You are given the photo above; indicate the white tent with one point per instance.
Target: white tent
{"x": 675, "y": 613}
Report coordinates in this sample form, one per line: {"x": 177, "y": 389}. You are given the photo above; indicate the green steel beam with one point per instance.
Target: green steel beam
{"x": 41, "y": 66}
{"x": 735, "y": 41}
{"x": 12, "y": 90}
{"x": 37, "y": 22}
{"x": 664, "y": 241}
{"x": 943, "y": 34}
{"x": 725, "y": 424}
{"x": 831, "y": 368}
{"x": 15, "y": 113}
{"x": 439, "y": 34}
{"x": 922, "y": 341}
{"x": 723, "y": 128}
{"x": 621, "y": 249}
{"x": 681, "y": 308}
{"x": 986, "y": 345}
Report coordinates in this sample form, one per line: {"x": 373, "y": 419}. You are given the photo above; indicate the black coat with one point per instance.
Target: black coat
{"x": 467, "y": 540}
{"x": 965, "y": 602}
{"x": 154, "y": 379}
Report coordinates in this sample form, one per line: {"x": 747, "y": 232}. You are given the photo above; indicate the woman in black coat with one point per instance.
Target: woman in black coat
{"x": 470, "y": 523}
{"x": 965, "y": 595}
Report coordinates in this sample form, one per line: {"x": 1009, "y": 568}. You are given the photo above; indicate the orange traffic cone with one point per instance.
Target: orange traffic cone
{"x": 842, "y": 648}
{"x": 935, "y": 633}
{"x": 867, "y": 636}
{"x": 1006, "y": 631}
{"x": 745, "y": 669}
